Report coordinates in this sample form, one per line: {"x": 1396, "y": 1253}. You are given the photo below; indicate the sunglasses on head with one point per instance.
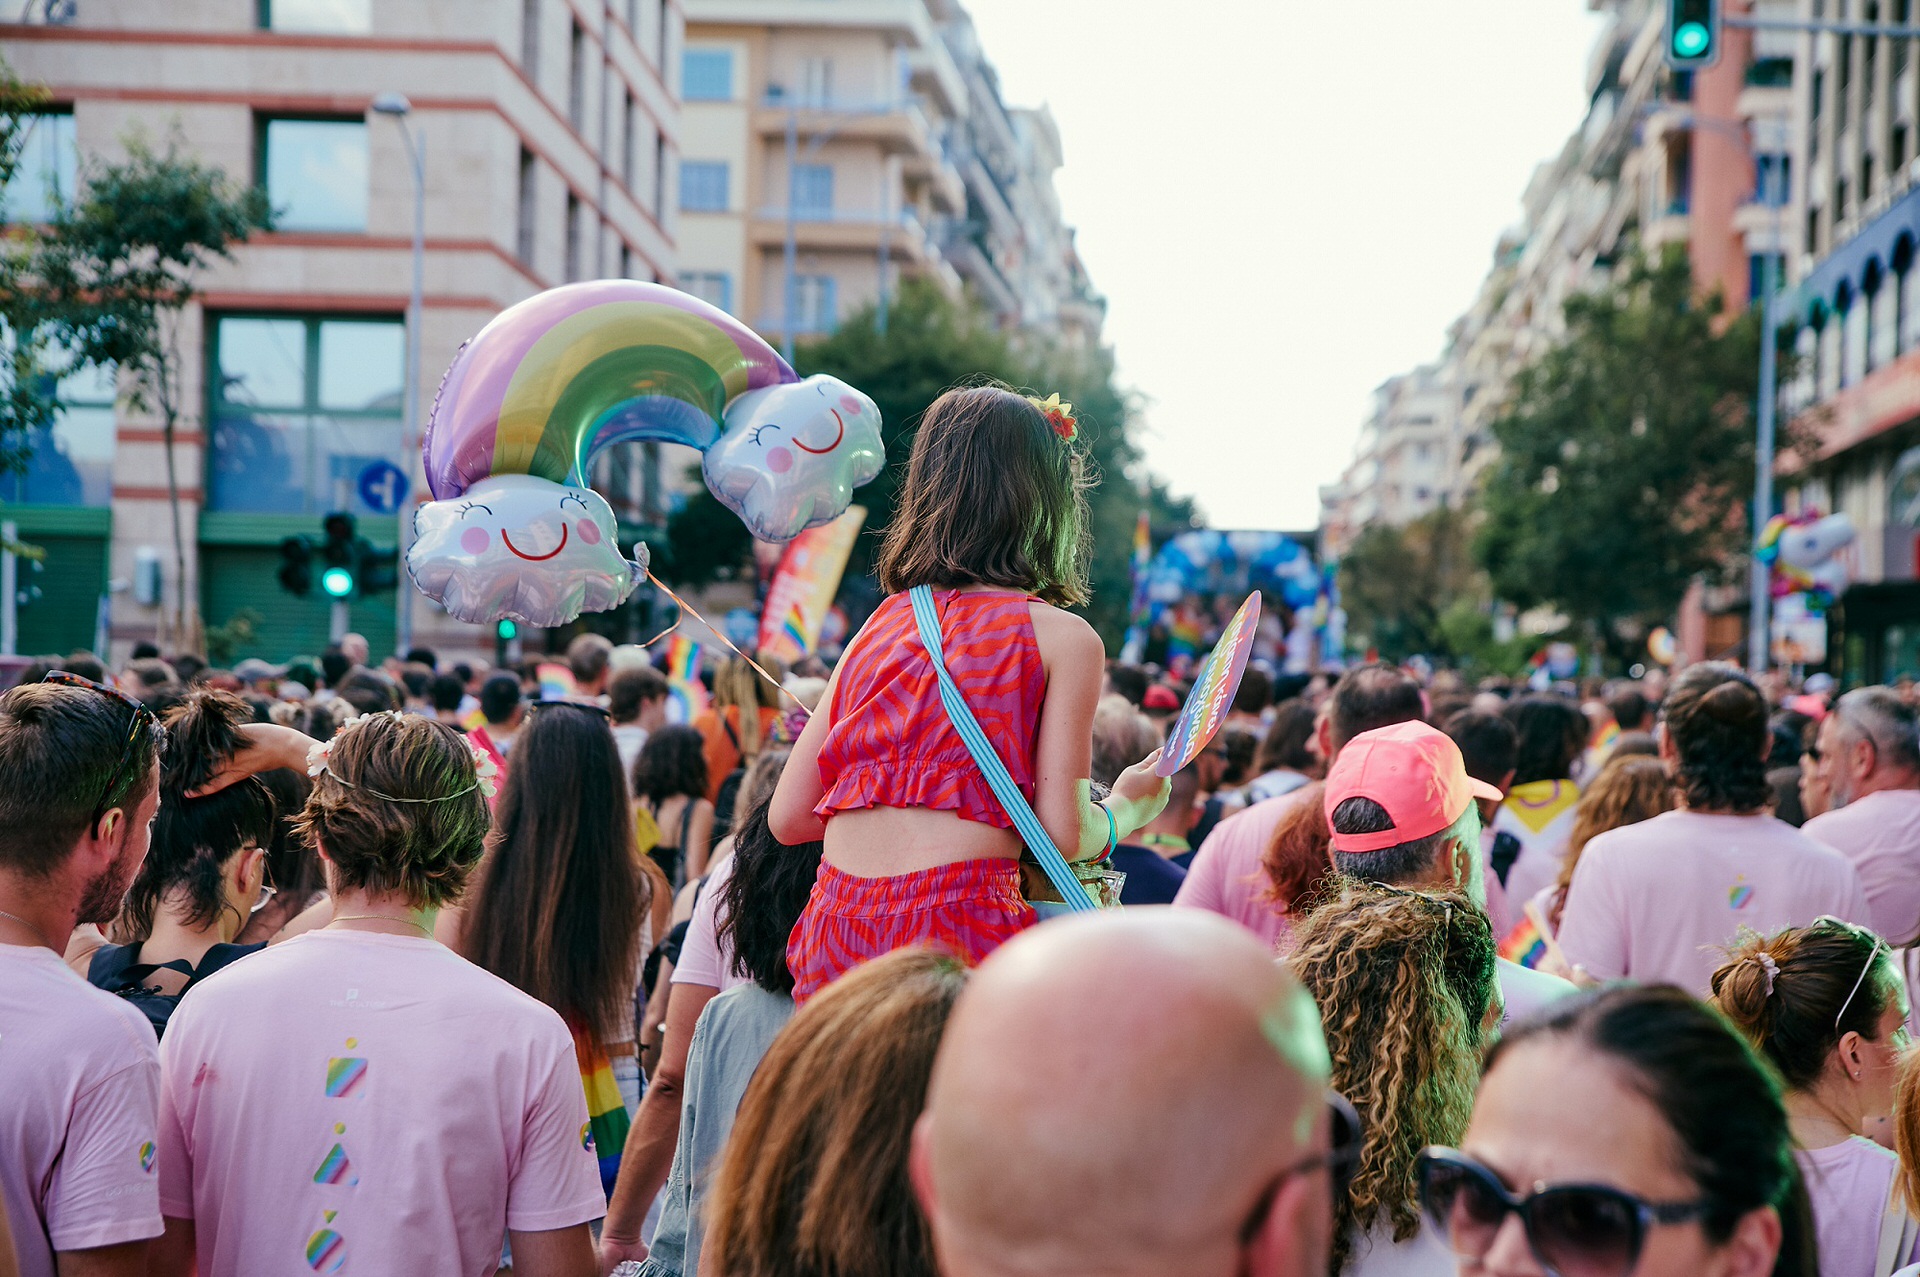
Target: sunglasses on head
{"x": 1574, "y": 1230}
{"x": 590, "y": 708}
{"x": 142, "y": 717}
{"x": 1340, "y": 1160}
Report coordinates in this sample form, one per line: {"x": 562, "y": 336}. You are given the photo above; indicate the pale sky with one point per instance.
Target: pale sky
{"x": 1285, "y": 203}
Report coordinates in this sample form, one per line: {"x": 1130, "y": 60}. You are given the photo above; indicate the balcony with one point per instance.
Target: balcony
{"x": 847, "y": 230}
{"x": 898, "y": 127}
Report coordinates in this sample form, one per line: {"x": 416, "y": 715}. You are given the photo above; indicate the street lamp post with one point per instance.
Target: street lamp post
{"x": 397, "y": 106}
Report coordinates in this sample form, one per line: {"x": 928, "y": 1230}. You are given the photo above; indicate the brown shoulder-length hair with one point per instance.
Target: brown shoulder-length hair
{"x": 557, "y": 907}
{"x": 814, "y": 1179}
{"x": 994, "y": 496}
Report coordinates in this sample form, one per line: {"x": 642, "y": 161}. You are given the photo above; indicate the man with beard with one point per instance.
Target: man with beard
{"x": 79, "y": 786}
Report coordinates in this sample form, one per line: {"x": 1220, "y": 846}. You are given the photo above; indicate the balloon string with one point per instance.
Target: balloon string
{"x": 720, "y": 634}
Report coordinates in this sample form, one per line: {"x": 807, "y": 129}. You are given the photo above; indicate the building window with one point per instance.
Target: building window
{"x": 816, "y": 303}
{"x": 575, "y": 247}
{"x": 530, "y": 39}
{"x": 813, "y": 190}
{"x": 816, "y": 81}
{"x": 528, "y": 205}
{"x": 659, "y": 177}
{"x": 335, "y": 17}
{"x": 1853, "y": 342}
{"x": 629, "y": 143}
{"x": 626, "y": 261}
{"x": 1883, "y": 323}
{"x": 316, "y": 173}
{"x": 1772, "y": 180}
{"x": 706, "y": 75}
{"x": 69, "y": 463}
{"x": 1908, "y": 286}
{"x": 44, "y": 177}
{"x": 703, "y": 186}
{"x": 1757, "y": 277}
{"x": 577, "y": 77}
{"x": 713, "y": 287}
{"x": 300, "y": 407}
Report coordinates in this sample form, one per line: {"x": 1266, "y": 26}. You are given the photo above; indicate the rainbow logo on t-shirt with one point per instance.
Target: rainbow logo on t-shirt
{"x": 326, "y": 1251}
{"x": 146, "y": 1157}
{"x": 343, "y": 1075}
{"x": 1740, "y": 895}
{"x": 336, "y": 1169}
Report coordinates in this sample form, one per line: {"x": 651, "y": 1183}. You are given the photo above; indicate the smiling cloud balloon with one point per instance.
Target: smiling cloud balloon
{"x": 792, "y": 455}
{"x": 519, "y": 546}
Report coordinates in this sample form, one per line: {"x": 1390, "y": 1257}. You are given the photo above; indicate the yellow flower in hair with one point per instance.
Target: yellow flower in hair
{"x": 1059, "y": 415}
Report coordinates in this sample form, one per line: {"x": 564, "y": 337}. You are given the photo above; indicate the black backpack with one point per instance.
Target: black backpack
{"x": 113, "y": 968}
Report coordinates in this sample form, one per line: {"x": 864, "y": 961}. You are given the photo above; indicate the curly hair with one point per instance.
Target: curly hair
{"x": 673, "y": 763}
{"x": 1717, "y": 720}
{"x": 1797, "y": 1012}
{"x": 398, "y": 809}
{"x": 1629, "y": 789}
{"x": 1404, "y": 980}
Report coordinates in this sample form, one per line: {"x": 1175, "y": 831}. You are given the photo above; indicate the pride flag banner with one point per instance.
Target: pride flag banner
{"x": 686, "y": 696}
{"x": 1214, "y": 688}
{"x": 804, "y": 584}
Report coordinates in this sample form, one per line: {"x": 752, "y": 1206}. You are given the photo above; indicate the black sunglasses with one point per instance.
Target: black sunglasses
{"x": 1574, "y": 1230}
{"x": 1340, "y": 1160}
{"x": 142, "y": 717}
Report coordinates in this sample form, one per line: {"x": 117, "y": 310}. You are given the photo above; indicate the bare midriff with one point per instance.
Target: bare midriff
{"x": 879, "y": 842}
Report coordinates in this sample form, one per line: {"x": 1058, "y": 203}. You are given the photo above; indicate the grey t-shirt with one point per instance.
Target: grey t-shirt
{"x": 732, "y": 1035}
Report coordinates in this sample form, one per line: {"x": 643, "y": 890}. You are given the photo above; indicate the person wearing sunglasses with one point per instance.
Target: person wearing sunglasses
{"x": 205, "y": 873}
{"x": 1626, "y": 1132}
{"x": 79, "y": 786}
{"x": 1405, "y": 983}
{"x": 1139, "y": 1091}
{"x": 1827, "y": 1007}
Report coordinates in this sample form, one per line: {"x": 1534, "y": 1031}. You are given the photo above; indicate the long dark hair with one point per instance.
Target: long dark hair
{"x": 763, "y": 900}
{"x": 561, "y": 895}
{"x": 993, "y": 496}
{"x": 194, "y": 839}
{"x": 1718, "y": 721}
{"x": 673, "y": 763}
{"x": 1552, "y": 733}
{"x": 1718, "y": 1098}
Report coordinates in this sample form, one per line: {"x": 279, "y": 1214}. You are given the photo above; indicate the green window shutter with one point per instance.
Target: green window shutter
{"x": 71, "y": 580}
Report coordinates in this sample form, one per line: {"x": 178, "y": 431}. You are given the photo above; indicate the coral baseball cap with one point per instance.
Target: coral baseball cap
{"x": 1160, "y": 696}
{"x": 1415, "y": 772}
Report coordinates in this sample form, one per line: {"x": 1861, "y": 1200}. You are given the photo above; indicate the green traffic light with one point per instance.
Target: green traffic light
{"x": 508, "y": 629}
{"x": 337, "y": 581}
{"x": 1690, "y": 39}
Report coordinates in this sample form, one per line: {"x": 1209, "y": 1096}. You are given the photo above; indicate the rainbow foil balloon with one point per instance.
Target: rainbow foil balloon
{"x": 528, "y": 404}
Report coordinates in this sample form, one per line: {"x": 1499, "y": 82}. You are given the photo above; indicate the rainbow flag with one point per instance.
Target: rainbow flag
{"x": 605, "y": 1135}
{"x": 686, "y": 697}
{"x": 1524, "y": 944}
{"x": 794, "y": 629}
{"x": 556, "y": 682}
{"x": 802, "y": 589}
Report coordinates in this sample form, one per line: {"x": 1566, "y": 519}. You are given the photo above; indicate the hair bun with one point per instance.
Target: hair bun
{"x": 1735, "y": 702}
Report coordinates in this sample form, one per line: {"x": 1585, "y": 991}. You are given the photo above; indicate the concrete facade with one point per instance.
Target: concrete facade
{"x": 551, "y": 131}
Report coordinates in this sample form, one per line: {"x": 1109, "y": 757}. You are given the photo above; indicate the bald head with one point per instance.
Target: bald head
{"x": 1119, "y": 1092}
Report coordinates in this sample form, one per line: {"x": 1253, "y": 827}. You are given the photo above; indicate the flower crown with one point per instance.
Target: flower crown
{"x": 1059, "y": 415}
{"x": 320, "y": 757}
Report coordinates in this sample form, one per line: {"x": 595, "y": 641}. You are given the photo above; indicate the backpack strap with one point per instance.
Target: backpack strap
{"x": 998, "y": 779}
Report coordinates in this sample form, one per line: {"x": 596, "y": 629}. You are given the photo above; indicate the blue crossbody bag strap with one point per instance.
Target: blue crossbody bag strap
{"x": 988, "y": 761}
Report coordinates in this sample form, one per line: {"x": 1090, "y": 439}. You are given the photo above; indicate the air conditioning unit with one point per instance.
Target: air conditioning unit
{"x": 146, "y": 576}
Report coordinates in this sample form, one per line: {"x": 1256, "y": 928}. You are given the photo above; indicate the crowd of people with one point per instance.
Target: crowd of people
{"x": 424, "y": 967}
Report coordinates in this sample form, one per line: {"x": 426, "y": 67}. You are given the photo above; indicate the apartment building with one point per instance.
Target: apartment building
{"x": 1853, "y": 319}
{"x": 833, "y": 150}
{"x": 1401, "y": 466}
{"x": 551, "y": 144}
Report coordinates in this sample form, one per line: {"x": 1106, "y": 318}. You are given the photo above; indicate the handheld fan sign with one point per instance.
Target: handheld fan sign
{"x": 543, "y": 390}
{"x": 1214, "y": 688}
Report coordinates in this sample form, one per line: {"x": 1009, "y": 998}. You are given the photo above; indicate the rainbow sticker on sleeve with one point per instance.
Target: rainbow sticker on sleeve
{"x": 1214, "y": 688}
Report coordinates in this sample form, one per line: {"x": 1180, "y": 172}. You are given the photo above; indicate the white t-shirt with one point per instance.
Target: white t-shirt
{"x": 1525, "y": 990}
{"x": 1376, "y": 1254}
{"x": 628, "y": 738}
{"x": 702, "y": 960}
{"x": 351, "y": 1096}
{"x": 1880, "y": 834}
{"x": 1662, "y": 900}
{"x": 78, "y": 1080}
{"x": 1850, "y": 1184}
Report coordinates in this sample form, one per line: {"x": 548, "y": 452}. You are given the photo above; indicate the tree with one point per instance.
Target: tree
{"x": 931, "y": 344}
{"x": 1626, "y": 453}
{"x": 27, "y": 407}
{"x": 1397, "y": 584}
{"x": 113, "y": 277}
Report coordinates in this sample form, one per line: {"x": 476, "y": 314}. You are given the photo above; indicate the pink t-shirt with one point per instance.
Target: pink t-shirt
{"x": 1228, "y": 875}
{"x": 361, "y": 1101}
{"x": 79, "y": 1076}
{"x": 1660, "y": 901}
{"x": 1880, "y": 834}
{"x": 702, "y": 960}
{"x": 1850, "y": 1184}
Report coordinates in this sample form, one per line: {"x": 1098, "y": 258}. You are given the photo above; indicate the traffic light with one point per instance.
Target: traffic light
{"x": 296, "y": 566}
{"x": 340, "y": 555}
{"x": 379, "y": 569}
{"x": 1693, "y": 34}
